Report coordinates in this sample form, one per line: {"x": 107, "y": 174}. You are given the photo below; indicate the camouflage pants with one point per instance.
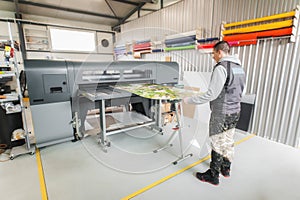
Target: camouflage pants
{"x": 223, "y": 142}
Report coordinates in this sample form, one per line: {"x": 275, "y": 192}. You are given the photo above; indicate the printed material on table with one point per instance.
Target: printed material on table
{"x": 158, "y": 92}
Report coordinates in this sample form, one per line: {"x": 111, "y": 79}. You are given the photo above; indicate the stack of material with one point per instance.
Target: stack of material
{"x": 125, "y": 49}
{"x": 141, "y": 47}
{"x": 120, "y": 50}
{"x": 249, "y": 31}
{"x": 182, "y": 41}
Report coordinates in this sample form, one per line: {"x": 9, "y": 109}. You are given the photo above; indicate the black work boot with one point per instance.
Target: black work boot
{"x": 212, "y": 175}
{"x": 209, "y": 177}
{"x": 225, "y": 168}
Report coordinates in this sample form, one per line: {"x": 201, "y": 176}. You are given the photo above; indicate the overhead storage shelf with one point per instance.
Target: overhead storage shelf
{"x": 36, "y": 38}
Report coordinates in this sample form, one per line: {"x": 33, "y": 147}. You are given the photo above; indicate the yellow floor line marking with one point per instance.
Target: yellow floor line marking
{"x": 179, "y": 172}
{"x": 41, "y": 175}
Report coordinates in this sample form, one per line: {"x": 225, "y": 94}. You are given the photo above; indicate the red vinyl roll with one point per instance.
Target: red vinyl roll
{"x": 142, "y": 45}
{"x": 142, "y": 49}
{"x": 251, "y": 38}
{"x": 205, "y": 46}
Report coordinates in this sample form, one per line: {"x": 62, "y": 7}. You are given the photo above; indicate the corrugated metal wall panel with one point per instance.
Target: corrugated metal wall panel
{"x": 272, "y": 66}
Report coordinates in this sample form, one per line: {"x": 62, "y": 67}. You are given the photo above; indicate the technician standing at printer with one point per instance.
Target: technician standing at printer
{"x": 224, "y": 94}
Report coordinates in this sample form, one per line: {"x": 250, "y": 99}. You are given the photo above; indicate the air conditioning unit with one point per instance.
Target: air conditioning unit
{"x": 104, "y": 42}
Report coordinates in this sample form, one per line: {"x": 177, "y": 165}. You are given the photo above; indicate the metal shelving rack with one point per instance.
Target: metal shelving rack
{"x": 26, "y": 148}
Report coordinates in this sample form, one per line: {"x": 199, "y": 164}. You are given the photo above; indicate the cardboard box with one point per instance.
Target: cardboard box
{"x": 189, "y": 109}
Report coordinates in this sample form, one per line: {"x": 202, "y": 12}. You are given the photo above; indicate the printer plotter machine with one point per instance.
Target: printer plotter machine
{"x": 60, "y": 90}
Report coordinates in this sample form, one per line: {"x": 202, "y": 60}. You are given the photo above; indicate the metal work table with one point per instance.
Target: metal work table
{"x": 101, "y": 98}
{"x": 115, "y": 97}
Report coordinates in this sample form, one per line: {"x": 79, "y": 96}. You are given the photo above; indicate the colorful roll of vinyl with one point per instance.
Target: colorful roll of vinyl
{"x": 142, "y": 49}
{"x": 233, "y": 43}
{"x": 198, "y": 33}
{"x": 185, "y": 39}
{"x": 181, "y": 44}
{"x": 180, "y": 48}
{"x": 272, "y": 17}
{"x": 142, "y": 45}
{"x": 205, "y": 46}
{"x": 207, "y": 39}
{"x": 251, "y": 38}
{"x": 120, "y": 48}
{"x": 120, "y": 51}
{"x": 157, "y": 50}
{"x": 262, "y": 27}
{"x": 142, "y": 41}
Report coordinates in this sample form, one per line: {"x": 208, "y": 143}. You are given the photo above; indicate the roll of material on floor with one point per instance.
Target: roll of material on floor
{"x": 180, "y": 48}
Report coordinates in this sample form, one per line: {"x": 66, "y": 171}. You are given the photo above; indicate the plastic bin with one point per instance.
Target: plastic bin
{"x": 247, "y": 107}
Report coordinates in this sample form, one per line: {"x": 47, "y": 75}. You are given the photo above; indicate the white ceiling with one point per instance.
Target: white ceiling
{"x": 105, "y": 12}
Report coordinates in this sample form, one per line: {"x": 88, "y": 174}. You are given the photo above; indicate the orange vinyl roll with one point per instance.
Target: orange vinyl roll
{"x": 250, "y": 38}
{"x": 275, "y": 33}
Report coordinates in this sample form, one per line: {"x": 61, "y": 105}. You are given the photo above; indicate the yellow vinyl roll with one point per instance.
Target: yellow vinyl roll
{"x": 262, "y": 27}
{"x": 272, "y": 17}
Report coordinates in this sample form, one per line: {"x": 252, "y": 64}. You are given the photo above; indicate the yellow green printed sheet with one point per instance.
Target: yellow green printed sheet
{"x": 158, "y": 92}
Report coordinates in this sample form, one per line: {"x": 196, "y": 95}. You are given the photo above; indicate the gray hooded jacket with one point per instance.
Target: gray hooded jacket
{"x": 224, "y": 95}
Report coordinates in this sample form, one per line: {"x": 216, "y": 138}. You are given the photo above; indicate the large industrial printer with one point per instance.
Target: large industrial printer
{"x": 61, "y": 94}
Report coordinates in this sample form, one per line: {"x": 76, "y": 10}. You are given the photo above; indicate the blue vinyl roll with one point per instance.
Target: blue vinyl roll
{"x": 157, "y": 50}
{"x": 208, "y": 39}
{"x": 181, "y": 44}
{"x": 120, "y": 51}
{"x": 191, "y": 38}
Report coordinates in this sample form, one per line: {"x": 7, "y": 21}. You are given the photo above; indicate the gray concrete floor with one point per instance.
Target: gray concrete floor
{"x": 262, "y": 169}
